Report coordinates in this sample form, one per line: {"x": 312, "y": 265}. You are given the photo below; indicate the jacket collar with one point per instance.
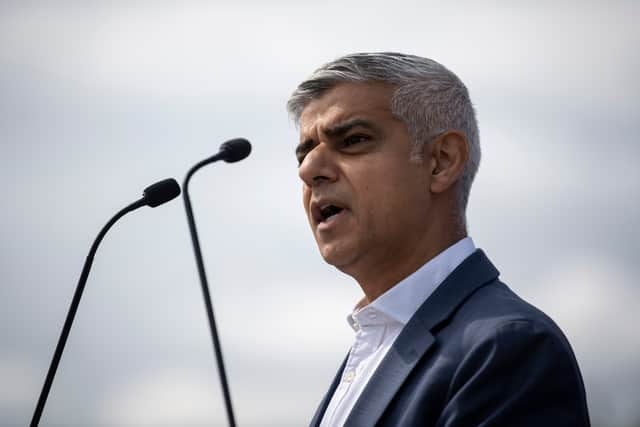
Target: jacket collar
{"x": 416, "y": 337}
{"x": 413, "y": 342}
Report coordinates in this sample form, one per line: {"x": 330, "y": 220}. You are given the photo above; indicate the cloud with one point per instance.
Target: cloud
{"x": 183, "y": 397}
{"x": 189, "y": 48}
{"x": 19, "y": 388}
{"x": 161, "y": 398}
{"x": 591, "y": 296}
{"x": 102, "y": 98}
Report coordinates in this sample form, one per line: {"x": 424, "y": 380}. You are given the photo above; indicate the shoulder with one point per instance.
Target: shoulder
{"x": 495, "y": 319}
{"x": 512, "y": 353}
{"x": 495, "y": 312}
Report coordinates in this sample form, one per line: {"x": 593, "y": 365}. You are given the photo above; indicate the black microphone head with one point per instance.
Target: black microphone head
{"x": 161, "y": 192}
{"x": 235, "y": 150}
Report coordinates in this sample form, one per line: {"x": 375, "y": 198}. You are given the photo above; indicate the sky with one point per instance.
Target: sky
{"x": 98, "y": 100}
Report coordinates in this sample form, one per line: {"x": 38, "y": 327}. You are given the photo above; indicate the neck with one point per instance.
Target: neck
{"x": 381, "y": 275}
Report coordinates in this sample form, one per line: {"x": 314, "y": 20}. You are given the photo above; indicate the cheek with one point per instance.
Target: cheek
{"x": 392, "y": 204}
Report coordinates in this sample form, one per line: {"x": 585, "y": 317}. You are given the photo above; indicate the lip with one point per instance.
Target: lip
{"x": 315, "y": 207}
{"x": 332, "y": 221}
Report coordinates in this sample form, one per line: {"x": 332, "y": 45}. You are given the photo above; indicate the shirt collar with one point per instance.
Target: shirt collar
{"x": 400, "y": 302}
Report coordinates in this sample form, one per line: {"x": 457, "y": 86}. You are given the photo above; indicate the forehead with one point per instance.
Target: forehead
{"x": 345, "y": 101}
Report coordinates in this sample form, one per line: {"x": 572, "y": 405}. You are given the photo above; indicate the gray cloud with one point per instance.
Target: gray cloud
{"x": 99, "y": 100}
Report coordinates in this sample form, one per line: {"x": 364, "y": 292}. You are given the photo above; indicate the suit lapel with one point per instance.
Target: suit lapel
{"x": 390, "y": 375}
{"x": 416, "y": 339}
{"x": 317, "y": 418}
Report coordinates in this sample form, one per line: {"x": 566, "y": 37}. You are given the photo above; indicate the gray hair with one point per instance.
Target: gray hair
{"x": 428, "y": 98}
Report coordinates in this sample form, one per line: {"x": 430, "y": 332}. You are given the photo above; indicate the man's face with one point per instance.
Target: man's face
{"x": 367, "y": 203}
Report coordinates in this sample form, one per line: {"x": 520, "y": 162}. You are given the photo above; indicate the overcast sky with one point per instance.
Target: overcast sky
{"x": 100, "y": 99}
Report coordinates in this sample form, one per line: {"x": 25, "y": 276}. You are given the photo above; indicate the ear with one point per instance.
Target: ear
{"x": 449, "y": 154}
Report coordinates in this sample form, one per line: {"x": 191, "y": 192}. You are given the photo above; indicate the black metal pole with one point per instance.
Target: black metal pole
{"x": 205, "y": 290}
{"x": 57, "y": 355}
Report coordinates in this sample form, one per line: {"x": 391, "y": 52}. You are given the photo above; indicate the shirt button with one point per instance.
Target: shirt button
{"x": 349, "y": 376}
{"x": 356, "y": 326}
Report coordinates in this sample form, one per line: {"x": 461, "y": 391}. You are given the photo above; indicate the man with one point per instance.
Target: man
{"x": 388, "y": 151}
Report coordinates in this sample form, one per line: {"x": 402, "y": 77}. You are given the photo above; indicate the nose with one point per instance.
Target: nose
{"x": 318, "y": 166}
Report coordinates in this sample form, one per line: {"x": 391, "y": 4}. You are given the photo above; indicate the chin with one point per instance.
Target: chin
{"x": 338, "y": 256}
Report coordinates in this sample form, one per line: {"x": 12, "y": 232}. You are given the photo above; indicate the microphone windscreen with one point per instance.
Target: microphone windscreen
{"x": 235, "y": 150}
{"x": 161, "y": 192}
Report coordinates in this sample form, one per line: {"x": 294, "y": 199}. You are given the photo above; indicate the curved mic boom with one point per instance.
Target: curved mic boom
{"x": 154, "y": 195}
{"x": 231, "y": 151}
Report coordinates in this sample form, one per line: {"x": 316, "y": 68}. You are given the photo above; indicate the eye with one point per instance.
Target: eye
{"x": 354, "y": 140}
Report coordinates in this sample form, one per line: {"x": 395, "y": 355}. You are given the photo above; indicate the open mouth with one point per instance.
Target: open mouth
{"x": 328, "y": 211}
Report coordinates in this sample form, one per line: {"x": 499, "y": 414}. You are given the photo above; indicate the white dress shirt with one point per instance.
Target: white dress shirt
{"x": 378, "y": 324}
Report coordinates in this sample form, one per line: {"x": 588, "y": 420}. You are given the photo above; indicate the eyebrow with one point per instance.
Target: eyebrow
{"x": 304, "y": 147}
{"x": 344, "y": 127}
{"x": 337, "y": 130}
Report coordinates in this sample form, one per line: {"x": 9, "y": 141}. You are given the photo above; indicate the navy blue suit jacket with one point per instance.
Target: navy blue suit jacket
{"x": 474, "y": 354}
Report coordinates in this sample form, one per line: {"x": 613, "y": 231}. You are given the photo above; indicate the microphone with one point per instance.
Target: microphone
{"x": 235, "y": 150}
{"x": 231, "y": 151}
{"x": 161, "y": 192}
{"x": 155, "y": 195}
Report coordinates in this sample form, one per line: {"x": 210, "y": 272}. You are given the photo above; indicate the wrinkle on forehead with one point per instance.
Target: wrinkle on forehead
{"x": 344, "y": 102}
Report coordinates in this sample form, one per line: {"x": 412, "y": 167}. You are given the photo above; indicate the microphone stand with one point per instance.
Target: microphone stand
{"x": 57, "y": 355}
{"x": 205, "y": 287}
{"x": 154, "y": 195}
